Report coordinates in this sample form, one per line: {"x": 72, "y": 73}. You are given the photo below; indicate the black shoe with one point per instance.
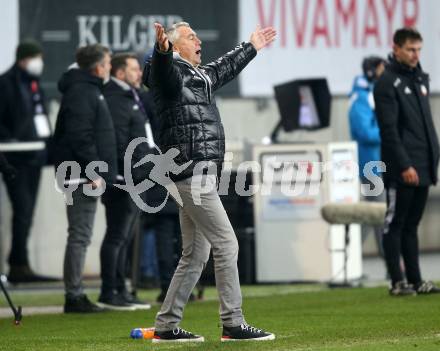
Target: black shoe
{"x": 115, "y": 302}
{"x": 80, "y": 304}
{"x": 245, "y": 332}
{"x": 426, "y": 287}
{"x": 24, "y": 274}
{"x": 134, "y": 301}
{"x": 402, "y": 289}
{"x": 176, "y": 335}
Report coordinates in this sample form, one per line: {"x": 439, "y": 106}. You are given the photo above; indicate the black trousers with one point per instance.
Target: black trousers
{"x": 22, "y": 191}
{"x": 168, "y": 246}
{"x": 121, "y": 214}
{"x": 405, "y": 206}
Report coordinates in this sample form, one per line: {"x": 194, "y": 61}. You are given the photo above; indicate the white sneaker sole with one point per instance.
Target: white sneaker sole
{"x": 201, "y": 339}
{"x": 141, "y": 307}
{"x": 115, "y": 308}
{"x": 264, "y": 338}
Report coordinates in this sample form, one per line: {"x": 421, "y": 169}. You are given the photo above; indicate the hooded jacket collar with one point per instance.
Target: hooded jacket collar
{"x": 74, "y": 76}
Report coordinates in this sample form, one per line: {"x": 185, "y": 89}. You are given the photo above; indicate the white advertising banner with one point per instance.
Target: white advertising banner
{"x": 8, "y": 32}
{"x": 329, "y": 38}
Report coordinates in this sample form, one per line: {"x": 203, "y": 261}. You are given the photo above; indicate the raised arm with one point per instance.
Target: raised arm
{"x": 164, "y": 74}
{"x": 227, "y": 67}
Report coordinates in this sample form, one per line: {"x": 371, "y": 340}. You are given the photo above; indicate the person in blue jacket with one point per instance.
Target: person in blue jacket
{"x": 364, "y": 128}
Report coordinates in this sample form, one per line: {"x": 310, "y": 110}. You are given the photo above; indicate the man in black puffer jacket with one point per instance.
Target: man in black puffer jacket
{"x": 410, "y": 151}
{"x": 190, "y": 122}
{"x": 84, "y": 133}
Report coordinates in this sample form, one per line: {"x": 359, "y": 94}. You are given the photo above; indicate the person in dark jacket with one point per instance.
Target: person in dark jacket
{"x": 190, "y": 122}
{"x": 23, "y": 118}
{"x": 410, "y": 151}
{"x": 84, "y": 133}
{"x": 129, "y": 119}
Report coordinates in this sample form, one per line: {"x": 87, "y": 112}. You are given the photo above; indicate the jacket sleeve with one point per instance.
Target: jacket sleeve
{"x": 387, "y": 111}
{"x": 227, "y": 67}
{"x": 79, "y": 124}
{"x": 164, "y": 75}
{"x": 5, "y": 99}
{"x": 362, "y": 121}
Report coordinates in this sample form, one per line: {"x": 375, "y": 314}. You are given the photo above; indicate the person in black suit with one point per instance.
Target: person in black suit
{"x": 23, "y": 118}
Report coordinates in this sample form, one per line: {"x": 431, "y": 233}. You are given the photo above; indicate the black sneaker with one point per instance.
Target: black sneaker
{"x": 426, "y": 287}
{"x": 80, "y": 304}
{"x": 24, "y": 274}
{"x": 402, "y": 289}
{"x": 176, "y": 335}
{"x": 245, "y": 332}
{"x": 115, "y": 302}
{"x": 134, "y": 301}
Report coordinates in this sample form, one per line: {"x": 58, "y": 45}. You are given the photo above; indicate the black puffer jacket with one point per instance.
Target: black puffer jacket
{"x": 129, "y": 122}
{"x": 407, "y": 131}
{"x": 188, "y": 116}
{"x": 84, "y": 130}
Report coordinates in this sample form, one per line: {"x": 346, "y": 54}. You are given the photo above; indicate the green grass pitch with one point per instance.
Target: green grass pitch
{"x": 302, "y": 317}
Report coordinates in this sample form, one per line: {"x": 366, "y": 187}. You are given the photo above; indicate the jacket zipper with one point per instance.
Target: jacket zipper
{"x": 207, "y": 82}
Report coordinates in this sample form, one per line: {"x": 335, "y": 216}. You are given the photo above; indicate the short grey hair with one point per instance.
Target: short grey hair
{"x": 172, "y": 32}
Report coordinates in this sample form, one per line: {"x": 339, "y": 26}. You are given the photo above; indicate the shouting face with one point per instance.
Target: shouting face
{"x": 188, "y": 45}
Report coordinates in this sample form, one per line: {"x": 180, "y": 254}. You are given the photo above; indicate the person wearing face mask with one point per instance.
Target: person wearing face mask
{"x": 129, "y": 118}
{"x": 84, "y": 133}
{"x": 23, "y": 118}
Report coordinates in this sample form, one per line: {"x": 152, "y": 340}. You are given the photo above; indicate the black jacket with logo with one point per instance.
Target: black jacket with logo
{"x": 129, "y": 122}
{"x": 84, "y": 129}
{"x": 188, "y": 116}
{"x": 407, "y": 130}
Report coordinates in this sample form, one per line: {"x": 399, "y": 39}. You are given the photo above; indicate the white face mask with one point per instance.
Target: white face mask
{"x": 35, "y": 66}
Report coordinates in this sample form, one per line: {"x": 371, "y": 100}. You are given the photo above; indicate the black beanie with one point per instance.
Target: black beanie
{"x": 28, "y": 48}
{"x": 369, "y": 65}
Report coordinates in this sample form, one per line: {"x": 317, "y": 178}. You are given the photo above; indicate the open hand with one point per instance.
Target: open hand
{"x": 161, "y": 37}
{"x": 262, "y": 37}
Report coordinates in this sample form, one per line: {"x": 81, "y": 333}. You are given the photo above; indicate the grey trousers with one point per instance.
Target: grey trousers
{"x": 204, "y": 225}
{"x": 80, "y": 217}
